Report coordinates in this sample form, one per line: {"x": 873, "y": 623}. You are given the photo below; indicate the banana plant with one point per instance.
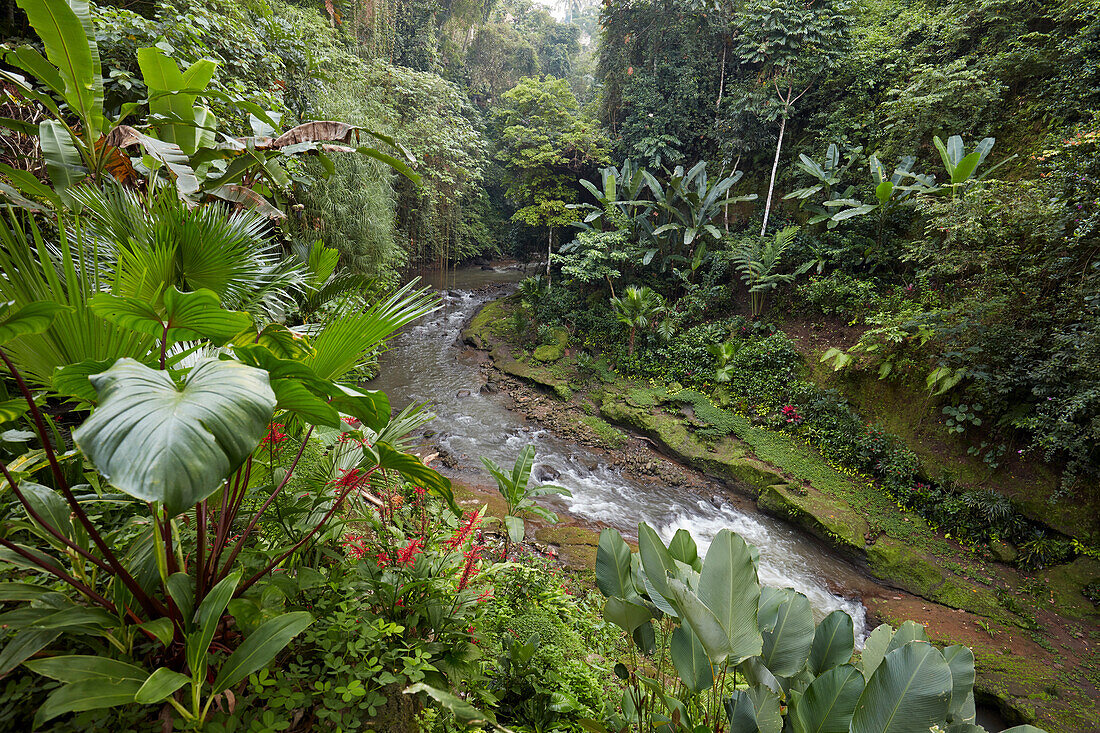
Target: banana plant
{"x": 687, "y": 205}
{"x": 618, "y": 189}
{"x": 748, "y": 657}
{"x": 519, "y": 496}
{"x": 962, "y": 167}
{"x": 828, "y": 174}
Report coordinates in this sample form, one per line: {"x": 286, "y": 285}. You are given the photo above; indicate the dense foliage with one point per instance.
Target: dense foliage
{"x": 210, "y": 207}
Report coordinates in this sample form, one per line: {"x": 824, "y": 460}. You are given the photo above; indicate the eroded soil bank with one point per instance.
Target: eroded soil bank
{"x": 1034, "y": 635}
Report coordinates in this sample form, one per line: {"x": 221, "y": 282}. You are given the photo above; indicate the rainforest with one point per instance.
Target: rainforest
{"x": 550, "y": 366}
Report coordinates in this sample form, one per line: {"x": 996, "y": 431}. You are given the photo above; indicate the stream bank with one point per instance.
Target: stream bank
{"x": 1034, "y": 637}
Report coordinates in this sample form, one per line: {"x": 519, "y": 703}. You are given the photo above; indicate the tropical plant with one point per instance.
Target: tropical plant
{"x": 533, "y": 293}
{"x": 639, "y": 308}
{"x": 519, "y": 496}
{"x": 184, "y": 447}
{"x": 135, "y": 246}
{"x": 91, "y": 146}
{"x": 828, "y": 174}
{"x": 686, "y": 204}
{"x": 724, "y": 354}
{"x": 961, "y": 167}
{"x": 758, "y": 259}
{"x": 747, "y": 657}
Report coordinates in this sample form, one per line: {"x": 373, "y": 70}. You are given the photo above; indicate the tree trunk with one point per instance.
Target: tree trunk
{"x": 775, "y": 167}
{"x": 549, "y": 249}
{"x": 721, "y": 83}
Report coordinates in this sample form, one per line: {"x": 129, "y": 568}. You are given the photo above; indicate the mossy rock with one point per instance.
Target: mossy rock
{"x": 728, "y": 460}
{"x": 548, "y": 353}
{"x": 832, "y": 521}
{"x": 898, "y": 563}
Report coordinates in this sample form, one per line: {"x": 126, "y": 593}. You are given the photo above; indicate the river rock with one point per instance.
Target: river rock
{"x": 547, "y": 473}
{"x": 489, "y": 388}
{"x": 463, "y": 393}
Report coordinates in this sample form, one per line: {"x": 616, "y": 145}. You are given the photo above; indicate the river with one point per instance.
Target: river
{"x": 425, "y": 364}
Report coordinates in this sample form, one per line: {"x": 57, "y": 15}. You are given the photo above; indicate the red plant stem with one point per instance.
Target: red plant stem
{"x": 324, "y": 520}
{"x": 151, "y": 605}
{"x": 49, "y": 527}
{"x": 169, "y": 556}
{"x": 61, "y": 574}
{"x": 259, "y": 513}
{"x": 226, "y": 515}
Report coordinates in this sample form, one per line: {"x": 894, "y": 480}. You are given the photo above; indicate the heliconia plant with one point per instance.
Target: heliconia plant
{"x": 748, "y": 658}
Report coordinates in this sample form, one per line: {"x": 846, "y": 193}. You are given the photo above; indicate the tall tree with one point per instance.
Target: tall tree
{"x": 545, "y": 145}
{"x": 788, "y": 43}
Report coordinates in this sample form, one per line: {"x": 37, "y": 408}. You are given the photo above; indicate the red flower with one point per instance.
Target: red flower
{"x": 275, "y": 434}
{"x": 472, "y": 556}
{"x": 353, "y": 478}
{"x": 463, "y": 533}
{"x": 408, "y": 552}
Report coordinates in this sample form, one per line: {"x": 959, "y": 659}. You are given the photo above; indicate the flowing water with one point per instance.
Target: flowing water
{"x": 426, "y": 364}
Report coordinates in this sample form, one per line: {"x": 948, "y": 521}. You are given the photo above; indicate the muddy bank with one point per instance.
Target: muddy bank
{"x": 1034, "y": 637}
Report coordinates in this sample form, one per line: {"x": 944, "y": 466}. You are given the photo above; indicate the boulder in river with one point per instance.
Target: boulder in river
{"x": 463, "y": 393}
{"x": 547, "y": 473}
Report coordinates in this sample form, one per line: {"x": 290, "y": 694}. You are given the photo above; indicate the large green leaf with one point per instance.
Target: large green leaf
{"x": 64, "y": 165}
{"x": 728, "y": 586}
{"x": 49, "y": 506}
{"x": 909, "y": 692}
{"x": 961, "y": 661}
{"x": 741, "y": 712}
{"x": 175, "y": 444}
{"x": 884, "y": 640}
{"x": 625, "y": 614}
{"x": 25, "y": 644}
{"x": 691, "y": 660}
{"x": 613, "y": 565}
{"x": 682, "y": 548}
{"x": 464, "y": 712}
{"x": 162, "y": 683}
{"x": 656, "y": 561}
{"x": 86, "y": 695}
{"x": 834, "y": 642}
{"x": 31, "y": 318}
{"x": 787, "y": 625}
{"x": 207, "y": 618}
{"x": 828, "y": 703}
{"x": 702, "y": 621}
{"x": 65, "y": 28}
{"x": 372, "y": 407}
{"x": 769, "y": 716}
{"x": 187, "y": 316}
{"x": 261, "y": 646}
{"x": 79, "y": 667}
{"x": 413, "y": 470}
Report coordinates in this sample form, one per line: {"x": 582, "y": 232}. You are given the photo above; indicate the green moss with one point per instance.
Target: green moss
{"x": 548, "y": 352}
{"x": 610, "y": 436}
{"x": 832, "y": 521}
